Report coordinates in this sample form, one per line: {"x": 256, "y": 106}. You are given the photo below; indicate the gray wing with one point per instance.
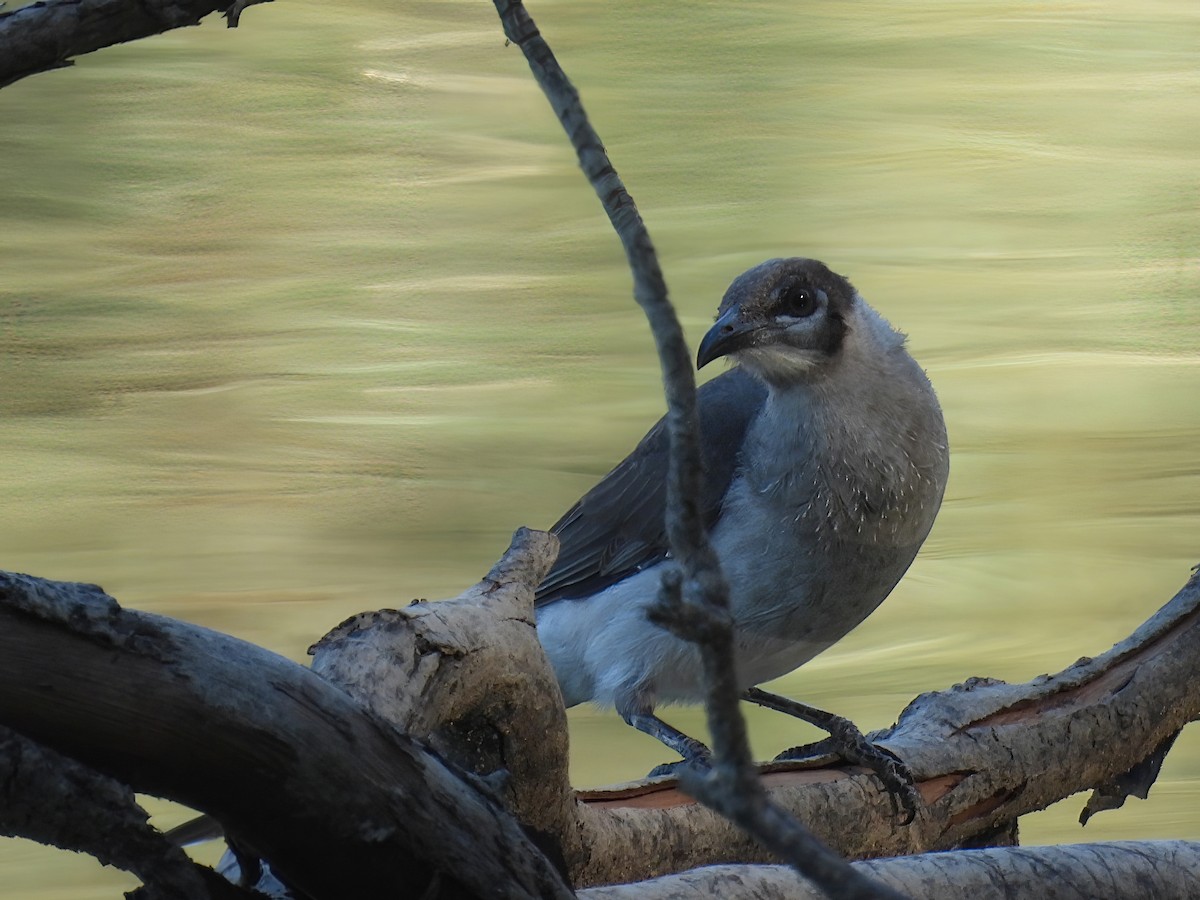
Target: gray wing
{"x": 617, "y": 527}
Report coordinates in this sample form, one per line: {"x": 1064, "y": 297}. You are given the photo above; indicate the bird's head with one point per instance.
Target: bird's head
{"x": 783, "y": 320}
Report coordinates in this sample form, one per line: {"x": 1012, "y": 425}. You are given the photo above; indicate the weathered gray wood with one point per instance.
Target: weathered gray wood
{"x": 47, "y": 34}
{"x": 980, "y": 749}
{"x": 341, "y": 803}
{"x": 985, "y": 754}
{"x": 468, "y": 677}
{"x": 1124, "y": 870}
{"x": 179, "y": 711}
{"x": 52, "y": 799}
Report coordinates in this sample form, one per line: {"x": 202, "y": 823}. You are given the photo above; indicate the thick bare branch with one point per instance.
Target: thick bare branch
{"x": 1125, "y": 870}
{"x": 985, "y": 753}
{"x": 339, "y": 802}
{"x": 55, "y": 800}
{"x": 468, "y": 677}
{"x": 980, "y": 749}
{"x": 47, "y": 34}
{"x": 1101, "y": 717}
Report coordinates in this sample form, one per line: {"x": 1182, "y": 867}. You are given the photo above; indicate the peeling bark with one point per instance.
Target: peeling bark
{"x": 1123, "y": 870}
{"x": 469, "y": 677}
{"x": 985, "y": 752}
{"x": 342, "y": 803}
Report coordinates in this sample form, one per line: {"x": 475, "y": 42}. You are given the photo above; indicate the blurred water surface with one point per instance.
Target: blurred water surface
{"x": 305, "y": 318}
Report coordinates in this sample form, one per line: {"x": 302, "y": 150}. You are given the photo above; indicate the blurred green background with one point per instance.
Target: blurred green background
{"x": 305, "y": 318}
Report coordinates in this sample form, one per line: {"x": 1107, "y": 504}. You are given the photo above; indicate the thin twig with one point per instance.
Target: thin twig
{"x": 694, "y": 601}
{"x": 649, "y": 287}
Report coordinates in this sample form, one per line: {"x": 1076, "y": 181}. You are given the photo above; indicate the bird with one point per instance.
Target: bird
{"x": 825, "y": 461}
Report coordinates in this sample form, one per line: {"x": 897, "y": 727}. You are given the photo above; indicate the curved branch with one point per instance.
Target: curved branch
{"x": 984, "y": 752}
{"x": 978, "y": 749}
{"x": 217, "y": 728}
{"x": 47, "y": 34}
{"x": 468, "y": 677}
{"x": 52, "y": 799}
{"x": 688, "y": 540}
{"x": 338, "y": 801}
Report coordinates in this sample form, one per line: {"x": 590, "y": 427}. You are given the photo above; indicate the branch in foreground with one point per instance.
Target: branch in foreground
{"x": 733, "y": 786}
{"x": 55, "y": 800}
{"x": 1120, "y": 870}
{"x": 984, "y": 752}
{"x": 468, "y": 678}
{"x": 980, "y": 750}
{"x": 47, "y": 34}
{"x": 339, "y": 802}
{"x": 649, "y": 286}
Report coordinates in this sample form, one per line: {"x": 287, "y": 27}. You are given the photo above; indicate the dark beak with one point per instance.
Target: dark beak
{"x": 729, "y": 333}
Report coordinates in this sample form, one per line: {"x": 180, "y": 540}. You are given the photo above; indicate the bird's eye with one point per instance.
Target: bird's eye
{"x": 796, "y": 301}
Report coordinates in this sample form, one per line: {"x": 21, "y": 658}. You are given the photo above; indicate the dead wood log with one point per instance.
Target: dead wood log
{"x": 468, "y": 677}
{"x": 1118, "y": 870}
{"x": 54, "y": 800}
{"x": 339, "y": 802}
{"x": 985, "y": 752}
{"x": 46, "y": 35}
{"x": 263, "y": 744}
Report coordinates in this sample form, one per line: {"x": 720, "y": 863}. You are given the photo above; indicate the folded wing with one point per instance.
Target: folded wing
{"x": 617, "y": 528}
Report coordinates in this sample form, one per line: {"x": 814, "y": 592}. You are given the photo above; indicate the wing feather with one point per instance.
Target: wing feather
{"x": 617, "y": 527}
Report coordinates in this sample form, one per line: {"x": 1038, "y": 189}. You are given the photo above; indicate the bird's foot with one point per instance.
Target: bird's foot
{"x": 703, "y": 762}
{"x": 694, "y": 753}
{"x": 846, "y": 742}
{"x": 817, "y": 754}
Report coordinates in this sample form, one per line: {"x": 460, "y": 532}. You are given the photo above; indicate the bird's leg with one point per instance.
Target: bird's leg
{"x": 848, "y": 743}
{"x": 692, "y": 751}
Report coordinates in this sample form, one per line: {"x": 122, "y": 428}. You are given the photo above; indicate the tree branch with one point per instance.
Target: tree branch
{"x": 468, "y": 677}
{"x": 178, "y": 711}
{"x": 984, "y": 753}
{"x": 339, "y": 802}
{"x": 47, "y": 34}
{"x": 1119, "y": 870}
{"x": 55, "y": 800}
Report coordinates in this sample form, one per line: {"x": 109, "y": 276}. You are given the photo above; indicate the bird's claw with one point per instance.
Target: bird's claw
{"x": 849, "y": 744}
{"x": 818, "y": 753}
{"x": 701, "y": 760}
{"x": 695, "y": 754}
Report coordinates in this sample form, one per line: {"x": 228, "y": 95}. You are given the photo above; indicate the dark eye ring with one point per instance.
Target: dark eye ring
{"x": 797, "y": 302}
